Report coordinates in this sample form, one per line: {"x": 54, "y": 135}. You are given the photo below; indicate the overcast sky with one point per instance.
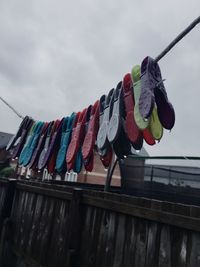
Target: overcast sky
{"x": 59, "y": 56}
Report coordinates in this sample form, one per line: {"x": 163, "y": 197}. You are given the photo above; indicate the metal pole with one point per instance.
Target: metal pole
{"x": 109, "y": 175}
{"x": 177, "y": 39}
{"x": 14, "y": 110}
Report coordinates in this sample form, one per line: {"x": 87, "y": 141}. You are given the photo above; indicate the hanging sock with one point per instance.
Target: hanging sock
{"x": 33, "y": 143}
{"x": 18, "y": 142}
{"x": 105, "y": 111}
{"x": 65, "y": 140}
{"x": 23, "y": 126}
{"x": 50, "y": 142}
{"x": 131, "y": 129}
{"x": 103, "y": 146}
{"x": 29, "y": 140}
{"x": 91, "y": 135}
{"x": 140, "y": 121}
{"x": 116, "y": 132}
{"x": 143, "y": 124}
{"x": 34, "y": 159}
{"x": 155, "y": 126}
{"x": 78, "y": 161}
{"x": 148, "y": 83}
{"x": 54, "y": 147}
{"x": 89, "y": 163}
{"x": 78, "y": 134}
{"x": 153, "y": 90}
{"x": 46, "y": 145}
{"x": 165, "y": 109}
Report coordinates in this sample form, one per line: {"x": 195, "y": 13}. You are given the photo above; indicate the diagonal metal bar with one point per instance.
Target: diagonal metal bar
{"x": 177, "y": 39}
{"x": 110, "y": 174}
{"x": 14, "y": 110}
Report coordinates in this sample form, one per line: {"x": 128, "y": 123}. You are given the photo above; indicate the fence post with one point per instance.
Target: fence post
{"x": 6, "y": 225}
{"x": 10, "y": 192}
{"x": 74, "y": 229}
{"x": 8, "y": 201}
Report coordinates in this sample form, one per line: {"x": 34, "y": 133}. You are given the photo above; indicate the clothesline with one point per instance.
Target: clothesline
{"x": 159, "y": 57}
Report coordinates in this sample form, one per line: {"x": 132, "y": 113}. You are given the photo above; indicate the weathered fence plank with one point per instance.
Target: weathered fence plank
{"x": 130, "y": 242}
{"x": 111, "y": 239}
{"x": 51, "y": 225}
{"x": 119, "y": 242}
{"x": 194, "y": 259}
{"x": 86, "y": 244}
{"x": 165, "y": 247}
{"x": 153, "y": 244}
{"x": 179, "y": 247}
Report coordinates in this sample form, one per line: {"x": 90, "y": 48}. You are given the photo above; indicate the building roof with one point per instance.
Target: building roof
{"x": 4, "y": 139}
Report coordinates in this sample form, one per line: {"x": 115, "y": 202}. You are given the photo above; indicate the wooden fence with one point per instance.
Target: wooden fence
{"x": 57, "y": 225}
